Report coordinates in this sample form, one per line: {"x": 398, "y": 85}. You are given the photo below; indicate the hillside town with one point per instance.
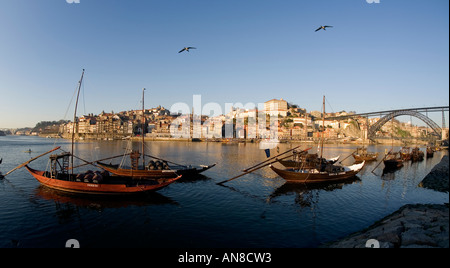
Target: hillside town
{"x": 276, "y": 119}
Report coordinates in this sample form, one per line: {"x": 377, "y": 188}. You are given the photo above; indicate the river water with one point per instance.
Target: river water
{"x": 255, "y": 211}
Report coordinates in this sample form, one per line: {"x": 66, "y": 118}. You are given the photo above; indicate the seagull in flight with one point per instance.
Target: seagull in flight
{"x": 186, "y": 49}
{"x": 324, "y": 27}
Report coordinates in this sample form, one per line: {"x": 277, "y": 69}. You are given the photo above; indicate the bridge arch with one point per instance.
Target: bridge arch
{"x": 377, "y": 126}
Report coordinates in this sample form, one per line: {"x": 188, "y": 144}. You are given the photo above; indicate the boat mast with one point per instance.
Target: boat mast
{"x": 323, "y": 130}
{"x": 143, "y": 129}
{"x": 75, "y": 118}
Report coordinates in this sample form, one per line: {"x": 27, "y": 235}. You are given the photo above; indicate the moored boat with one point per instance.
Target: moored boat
{"x": 361, "y": 154}
{"x": 393, "y": 160}
{"x": 430, "y": 151}
{"x": 61, "y": 174}
{"x": 306, "y": 161}
{"x": 319, "y": 171}
{"x": 417, "y": 154}
{"x": 331, "y": 173}
{"x": 159, "y": 169}
{"x": 405, "y": 153}
{"x": 165, "y": 170}
{"x": 110, "y": 185}
{"x": 61, "y": 177}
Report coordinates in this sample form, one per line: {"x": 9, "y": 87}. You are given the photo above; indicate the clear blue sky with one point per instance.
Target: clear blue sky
{"x": 390, "y": 55}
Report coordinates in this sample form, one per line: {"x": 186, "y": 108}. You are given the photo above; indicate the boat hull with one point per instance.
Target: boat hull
{"x": 171, "y": 173}
{"x": 192, "y": 171}
{"x": 393, "y": 164}
{"x": 140, "y": 174}
{"x": 308, "y": 176}
{"x": 100, "y": 188}
{"x": 369, "y": 157}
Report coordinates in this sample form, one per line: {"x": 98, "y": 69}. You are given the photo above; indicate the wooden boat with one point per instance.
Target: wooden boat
{"x": 320, "y": 172}
{"x": 417, "y": 154}
{"x": 62, "y": 177}
{"x": 393, "y": 160}
{"x": 430, "y": 151}
{"x": 152, "y": 169}
{"x": 86, "y": 183}
{"x": 331, "y": 173}
{"x": 405, "y": 153}
{"x": 165, "y": 172}
{"x": 361, "y": 154}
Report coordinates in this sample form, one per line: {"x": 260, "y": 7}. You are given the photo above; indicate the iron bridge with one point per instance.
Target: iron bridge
{"x": 386, "y": 116}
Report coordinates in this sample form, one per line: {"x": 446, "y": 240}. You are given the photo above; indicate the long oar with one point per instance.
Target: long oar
{"x": 93, "y": 162}
{"x": 382, "y": 160}
{"x": 270, "y": 159}
{"x": 257, "y": 168}
{"x": 31, "y": 160}
{"x": 347, "y": 156}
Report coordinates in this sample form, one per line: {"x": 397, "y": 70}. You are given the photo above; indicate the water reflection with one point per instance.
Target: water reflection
{"x": 256, "y": 210}
{"x": 100, "y": 202}
{"x": 304, "y": 193}
{"x": 193, "y": 178}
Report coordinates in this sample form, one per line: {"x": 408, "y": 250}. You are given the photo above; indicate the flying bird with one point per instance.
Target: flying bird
{"x": 186, "y": 49}
{"x": 324, "y": 27}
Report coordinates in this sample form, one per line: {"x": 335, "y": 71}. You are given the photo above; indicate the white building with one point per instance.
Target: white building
{"x": 276, "y": 107}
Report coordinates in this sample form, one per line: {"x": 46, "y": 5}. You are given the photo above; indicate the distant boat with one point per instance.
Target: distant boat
{"x": 430, "y": 152}
{"x": 405, "y": 153}
{"x": 361, "y": 154}
{"x": 393, "y": 160}
{"x": 417, "y": 154}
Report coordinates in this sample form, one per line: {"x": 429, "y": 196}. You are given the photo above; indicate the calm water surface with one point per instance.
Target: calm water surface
{"x": 257, "y": 210}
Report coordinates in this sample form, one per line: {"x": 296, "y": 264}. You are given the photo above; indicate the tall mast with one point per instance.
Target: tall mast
{"x": 75, "y": 118}
{"x": 143, "y": 129}
{"x": 323, "y": 130}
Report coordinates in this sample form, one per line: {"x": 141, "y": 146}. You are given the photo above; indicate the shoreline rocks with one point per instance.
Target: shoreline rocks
{"x": 438, "y": 177}
{"x": 413, "y": 225}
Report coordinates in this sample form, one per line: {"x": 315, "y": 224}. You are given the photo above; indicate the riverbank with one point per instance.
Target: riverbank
{"x": 412, "y": 226}
{"x": 314, "y": 140}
